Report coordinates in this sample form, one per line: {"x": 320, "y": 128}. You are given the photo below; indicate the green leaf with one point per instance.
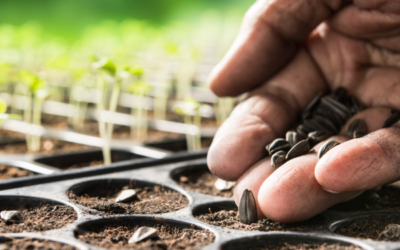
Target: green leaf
{"x": 3, "y": 107}
{"x": 107, "y": 65}
{"x": 32, "y": 81}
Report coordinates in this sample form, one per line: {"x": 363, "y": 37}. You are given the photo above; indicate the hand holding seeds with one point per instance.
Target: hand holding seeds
{"x": 341, "y": 141}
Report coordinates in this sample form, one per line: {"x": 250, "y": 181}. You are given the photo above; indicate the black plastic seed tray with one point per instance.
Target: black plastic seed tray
{"x": 53, "y": 189}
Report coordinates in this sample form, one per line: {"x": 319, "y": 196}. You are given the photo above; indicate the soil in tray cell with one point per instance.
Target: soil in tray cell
{"x": 41, "y": 218}
{"x": 34, "y": 244}
{"x": 371, "y": 227}
{"x": 230, "y": 219}
{"x": 387, "y": 198}
{"x": 202, "y": 181}
{"x": 48, "y": 146}
{"x": 117, "y": 235}
{"x": 306, "y": 246}
{"x": 148, "y": 200}
{"x": 9, "y": 172}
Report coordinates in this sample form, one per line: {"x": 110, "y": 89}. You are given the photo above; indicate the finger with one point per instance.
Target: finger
{"x": 263, "y": 117}
{"x": 290, "y": 193}
{"x": 270, "y": 35}
{"x": 364, "y": 163}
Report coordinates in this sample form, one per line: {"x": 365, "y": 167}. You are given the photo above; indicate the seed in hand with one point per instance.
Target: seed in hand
{"x": 301, "y": 148}
{"x": 326, "y": 147}
{"x": 357, "y": 129}
{"x": 278, "y": 159}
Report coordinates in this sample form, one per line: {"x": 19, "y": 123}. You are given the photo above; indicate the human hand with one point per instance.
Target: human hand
{"x": 288, "y": 51}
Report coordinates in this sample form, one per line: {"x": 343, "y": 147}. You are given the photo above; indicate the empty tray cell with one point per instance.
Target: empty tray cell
{"x": 371, "y": 226}
{"x": 288, "y": 242}
{"x": 85, "y": 159}
{"x": 386, "y": 198}
{"x": 36, "y": 214}
{"x": 199, "y": 179}
{"x": 150, "y": 198}
{"x": 225, "y": 214}
{"x": 114, "y": 233}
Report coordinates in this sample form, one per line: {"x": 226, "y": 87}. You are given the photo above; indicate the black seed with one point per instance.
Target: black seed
{"x": 247, "y": 208}
{"x": 311, "y": 106}
{"x": 358, "y": 127}
{"x": 395, "y": 117}
{"x": 337, "y": 107}
{"x": 326, "y": 147}
{"x": 301, "y": 148}
{"x": 311, "y": 142}
{"x": 303, "y": 131}
{"x": 340, "y": 94}
{"x": 354, "y": 105}
{"x": 327, "y": 124}
{"x": 315, "y": 125}
{"x": 326, "y": 112}
{"x": 292, "y": 137}
{"x": 278, "y": 159}
{"x": 318, "y": 136}
{"x": 279, "y": 145}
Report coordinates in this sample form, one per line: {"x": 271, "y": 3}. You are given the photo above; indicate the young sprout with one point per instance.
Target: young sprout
{"x": 140, "y": 89}
{"x": 36, "y": 92}
{"x": 190, "y": 109}
{"x": 107, "y": 71}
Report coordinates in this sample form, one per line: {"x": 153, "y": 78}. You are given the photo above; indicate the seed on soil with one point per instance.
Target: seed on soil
{"x": 278, "y": 159}
{"x": 247, "y": 208}
{"x": 326, "y": 147}
{"x": 223, "y": 185}
{"x": 292, "y": 137}
{"x": 11, "y": 217}
{"x": 301, "y": 148}
{"x": 143, "y": 233}
{"x": 392, "y": 231}
{"x": 357, "y": 128}
{"x": 126, "y": 195}
{"x": 394, "y": 118}
{"x": 278, "y": 145}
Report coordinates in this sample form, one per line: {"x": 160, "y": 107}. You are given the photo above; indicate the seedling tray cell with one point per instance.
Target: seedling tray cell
{"x": 325, "y": 230}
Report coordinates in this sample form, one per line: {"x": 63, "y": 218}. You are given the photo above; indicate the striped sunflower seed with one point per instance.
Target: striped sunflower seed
{"x": 311, "y": 106}
{"x": 328, "y": 113}
{"x": 326, "y": 147}
{"x": 394, "y": 118}
{"x": 303, "y": 131}
{"x": 278, "y": 159}
{"x": 354, "y": 105}
{"x": 318, "y": 136}
{"x": 301, "y": 148}
{"x": 247, "y": 208}
{"x": 292, "y": 137}
{"x": 340, "y": 94}
{"x": 327, "y": 124}
{"x": 357, "y": 128}
{"x": 279, "y": 145}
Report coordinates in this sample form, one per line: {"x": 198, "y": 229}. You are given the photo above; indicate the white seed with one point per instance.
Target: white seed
{"x": 11, "y": 216}
{"x": 224, "y": 185}
{"x": 392, "y": 231}
{"x": 126, "y": 195}
{"x": 143, "y": 233}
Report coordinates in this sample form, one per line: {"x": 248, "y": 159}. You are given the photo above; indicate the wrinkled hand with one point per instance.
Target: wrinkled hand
{"x": 288, "y": 51}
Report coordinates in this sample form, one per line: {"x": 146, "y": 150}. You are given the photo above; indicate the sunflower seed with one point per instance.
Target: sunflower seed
{"x": 315, "y": 125}
{"x": 311, "y": 142}
{"x": 327, "y": 124}
{"x": 357, "y": 128}
{"x": 326, "y": 147}
{"x": 301, "y": 148}
{"x": 303, "y": 131}
{"x": 224, "y": 185}
{"x": 278, "y": 145}
{"x": 10, "y": 217}
{"x": 318, "y": 136}
{"x": 311, "y": 106}
{"x": 278, "y": 159}
{"x": 247, "y": 208}
{"x": 394, "y": 118}
{"x": 328, "y": 113}
{"x": 340, "y": 94}
{"x": 126, "y": 195}
{"x": 338, "y": 107}
{"x": 354, "y": 105}
{"x": 292, "y": 137}
{"x": 392, "y": 231}
{"x": 143, "y": 233}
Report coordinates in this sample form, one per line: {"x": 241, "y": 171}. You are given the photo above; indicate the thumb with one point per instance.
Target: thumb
{"x": 270, "y": 35}
{"x": 364, "y": 163}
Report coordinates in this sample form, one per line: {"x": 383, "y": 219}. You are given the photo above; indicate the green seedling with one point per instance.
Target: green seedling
{"x": 190, "y": 109}
{"x": 36, "y": 92}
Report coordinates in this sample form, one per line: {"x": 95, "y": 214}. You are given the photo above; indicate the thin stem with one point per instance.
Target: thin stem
{"x": 28, "y": 120}
{"x": 102, "y": 128}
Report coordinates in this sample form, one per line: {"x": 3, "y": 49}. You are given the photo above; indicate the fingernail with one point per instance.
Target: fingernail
{"x": 329, "y": 190}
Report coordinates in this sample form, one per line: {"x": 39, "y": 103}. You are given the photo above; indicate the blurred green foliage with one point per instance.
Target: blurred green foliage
{"x": 70, "y": 18}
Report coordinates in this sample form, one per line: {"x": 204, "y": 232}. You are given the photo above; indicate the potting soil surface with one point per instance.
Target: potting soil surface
{"x": 202, "y": 181}
{"x": 117, "y": 235}
{"x": 387, "y": 198}
{"x": 9, "y": 172}
{"x": 34, "y": 244}
{"x": 230, "y": 219}
{"x": 149, "y": 200}
{"x": 41, "y": 218}
{"x": 371, "y": 227}
{"x": 306, "y": 246}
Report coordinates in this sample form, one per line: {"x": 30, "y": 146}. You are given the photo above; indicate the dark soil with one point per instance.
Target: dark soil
{"x": 387, "y": 198}
{"x": 369, "y": 228}
{"x": 9, "y": 172}
{"x": 202, "y": 181}
{"x": 48, "y": 146}
{"x": 34, "y": 244}
{"x": 230, "y": 219}
{"x": 45, "y": 217}
{"x": 117, "y": 235}
{"x": 306, "y": 246}
{"x": 149, "y": 200}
